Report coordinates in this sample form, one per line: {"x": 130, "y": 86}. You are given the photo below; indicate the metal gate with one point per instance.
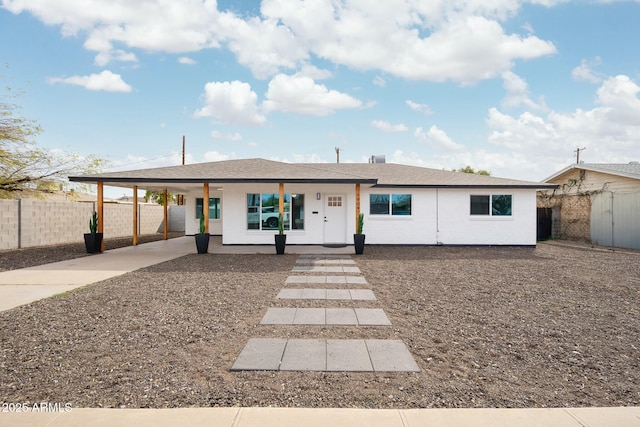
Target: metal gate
{"x": 615, "y": 220}
{"x": 544, "y": 223}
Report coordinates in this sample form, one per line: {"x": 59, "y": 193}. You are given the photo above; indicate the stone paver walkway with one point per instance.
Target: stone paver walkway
{"x": 325, "y": 269}
{"x": 334, "y": 355}
{"x": 279, "y": 354}
{"x": 326, "y": 316}
{"x": 334, "y": 280}
{"x": 325, "y": 261}
{"x": 331, "y": 294}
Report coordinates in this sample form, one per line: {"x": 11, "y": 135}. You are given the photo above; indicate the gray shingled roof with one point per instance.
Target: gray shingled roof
{"x": 244, "y": 170}
{"x": 629, "y": 170}
{"x": 396, "y": 175}
{"x": 260, "y": 170}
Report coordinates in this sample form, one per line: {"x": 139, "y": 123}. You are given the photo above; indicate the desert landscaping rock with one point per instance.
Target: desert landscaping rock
{"x": 551, "y": 326}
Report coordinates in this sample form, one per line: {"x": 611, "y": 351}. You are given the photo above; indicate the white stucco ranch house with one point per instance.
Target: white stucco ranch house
{"x": 402, "y": 205}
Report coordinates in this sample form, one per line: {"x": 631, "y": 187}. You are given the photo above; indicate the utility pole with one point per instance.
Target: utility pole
{"x": 183, "y": 147}
{"x": 577, "y": 151}
{"x": 337, "y": 155}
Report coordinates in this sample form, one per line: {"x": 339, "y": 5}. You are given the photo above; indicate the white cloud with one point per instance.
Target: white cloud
{"x": 533, "y": 146}
{"x": 105, "y": 81}
{"x": 461, "y": 41}
{"x": 379, "y": 81}
{"x": 264, "y": 46}
{"x": 229, "y": 137}
{"x": 313, "y": 72}
{"x": 610, "y": 131}
{"x": 132, "y": 161}
{"x": 187, "y": 61}
{"x": 388, "y": 127}
{"x": 420, "y": 108}
{"x": 300, "y": 158}
{"x": 584, "y": 72}
{"x": 436, "y": 139}
{"x": 214, "y": 156}
{"x": 517, "y": 92}
{"x": 156, "y": 25}
{"x": 231, "y": 102}
{"x": 104, "y": 57}
{"x": 299, "y": 94}
{"x": 619, "y": 96}
{"x": 464, "y": 41}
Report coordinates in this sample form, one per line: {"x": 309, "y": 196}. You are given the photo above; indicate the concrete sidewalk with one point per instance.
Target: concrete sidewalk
{"x": 285, "y": 417}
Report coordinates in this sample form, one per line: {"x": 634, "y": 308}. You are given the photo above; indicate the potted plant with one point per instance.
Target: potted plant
{"x": 358, "y": 238}
{"x": 202, "y": 238}
{"x": 93, "y": 239}
{"x": 280, "y": 238}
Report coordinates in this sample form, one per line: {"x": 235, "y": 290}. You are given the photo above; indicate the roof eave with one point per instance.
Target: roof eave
{"x": 121, "y": 180}
{"x": 507, "y": 186}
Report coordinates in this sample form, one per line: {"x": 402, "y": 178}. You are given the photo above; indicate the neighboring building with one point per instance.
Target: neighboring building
{"x": 595, "y": 202}
{"x": 402, "y": 205}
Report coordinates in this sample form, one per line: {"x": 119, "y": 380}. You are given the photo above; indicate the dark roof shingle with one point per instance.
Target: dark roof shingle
{"x": 261, "y": 170}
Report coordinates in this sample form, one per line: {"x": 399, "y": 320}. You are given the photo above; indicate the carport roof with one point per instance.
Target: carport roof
{"x": 268, "y": 171}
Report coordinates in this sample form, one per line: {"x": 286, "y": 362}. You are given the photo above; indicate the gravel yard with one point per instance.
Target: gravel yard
{"x": 489, "y": 327}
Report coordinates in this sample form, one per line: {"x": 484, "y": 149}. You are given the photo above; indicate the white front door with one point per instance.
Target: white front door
{"x": 335, "y": 218}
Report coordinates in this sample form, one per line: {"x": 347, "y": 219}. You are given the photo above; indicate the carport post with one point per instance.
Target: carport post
{"x": 100, "y": 211}
{"x": 166, "y": 204}
{"x": 281, "y": 201}
{"x": 135, "y": 215}
{"x": 205, "y": 207}
{"x": 357, "y": 204}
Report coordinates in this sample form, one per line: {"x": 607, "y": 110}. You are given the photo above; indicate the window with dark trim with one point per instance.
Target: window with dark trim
{"x": 491, "y": 205}
{"x": 214, "y": 207}
{"x": 394, "y": 204}
{"x": 263, "y": 211}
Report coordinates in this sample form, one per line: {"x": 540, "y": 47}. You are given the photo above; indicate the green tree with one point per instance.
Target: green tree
{"x": 158, "y": 197}
{"x": 27, "y": 169}
{"x": 469, "y": 169}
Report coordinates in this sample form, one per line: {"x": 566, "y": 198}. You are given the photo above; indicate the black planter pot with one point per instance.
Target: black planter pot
{"x": 358, "y": 243}
{"x": 281, "y": 242}
{"x": 93, "y": 242}
{"x": 202, "y": 242}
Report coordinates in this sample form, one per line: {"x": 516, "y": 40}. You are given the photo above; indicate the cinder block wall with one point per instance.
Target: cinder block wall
{"x": 574, "y": 216}
{"x": 9, "y": 224}
{"x": 31, "y": 222}
{"x": 46, "y": 222}
{"x": 118, "y": 220}
{"x": 151, "y": 219}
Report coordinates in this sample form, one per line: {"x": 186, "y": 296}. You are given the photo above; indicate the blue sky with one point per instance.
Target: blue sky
{"x": 509, "y": 86}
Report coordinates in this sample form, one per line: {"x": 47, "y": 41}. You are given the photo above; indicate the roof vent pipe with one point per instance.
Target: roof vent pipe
{"x": 378, "y": 159}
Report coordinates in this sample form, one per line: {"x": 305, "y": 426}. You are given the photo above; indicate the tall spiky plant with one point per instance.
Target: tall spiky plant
{"x": 280, "y": 224}
{"x": 93, "y": 223}
{"x": 201, "y": 224}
